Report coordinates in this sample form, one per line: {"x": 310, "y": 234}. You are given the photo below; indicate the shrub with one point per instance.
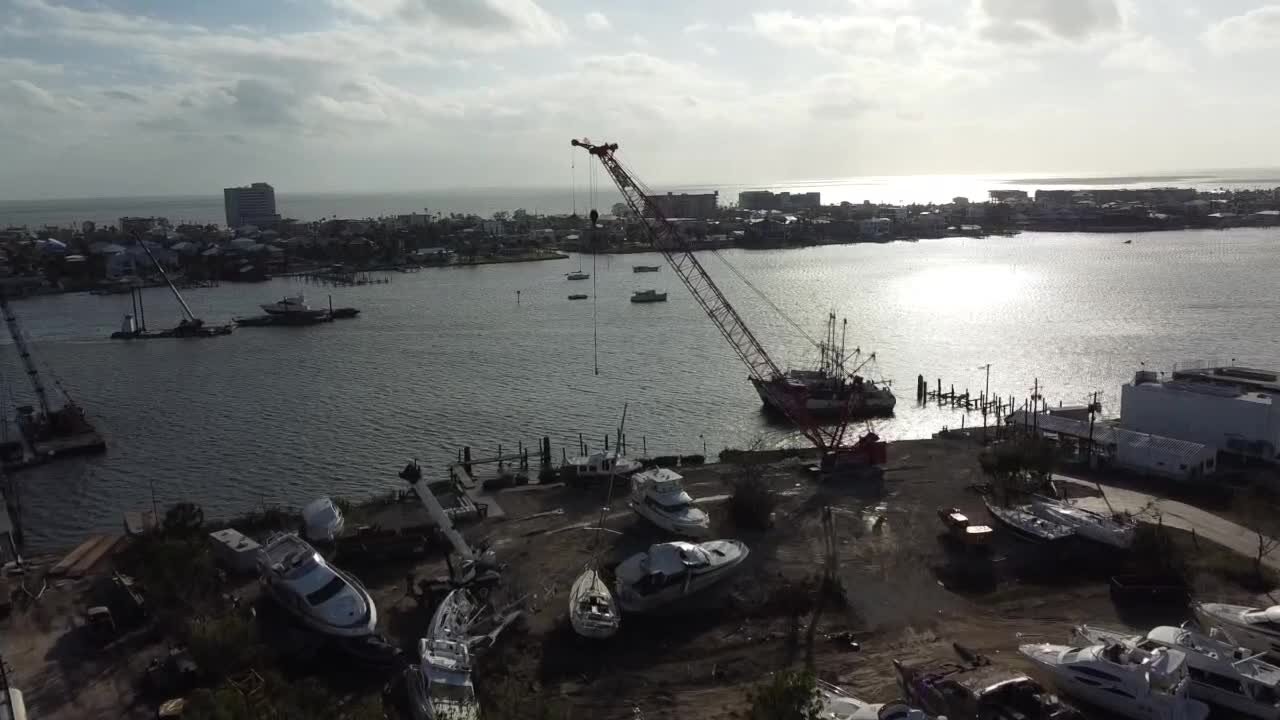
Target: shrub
{"x": 752, "y": 503}
{"x": 789, "y": 695}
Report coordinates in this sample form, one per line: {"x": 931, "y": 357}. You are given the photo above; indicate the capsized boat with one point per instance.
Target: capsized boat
{"x": 322, "y": 520}
{"x": 323, "y": 597}
{"x": 1255, "y": 628}
{"x": 1222, "y": 674}
{"x": 1116, "y": 531}
{"x": 668, "y": 572}
{"x": 592, "y": 611}
{"x": 1027, "y": 526}
{"x": 440, "y": 688}
{"x": 1131, "y": 682}
{"x": 658, "y": 495}
{"x": 601, "y": 466}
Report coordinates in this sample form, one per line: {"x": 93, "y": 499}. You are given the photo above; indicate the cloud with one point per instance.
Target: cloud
{"x": 1258, "y": 29}
{"x": 596, "y": 21}
{"x": 1025, "y": 21}
{"x": 1144, "y": 53}
{"x": 696, "y": 28}
{"x": 504, "y": 21}
{"x": 122, "y": 95}
{"x": 30, "y": 95}
{"x": 840, "y": 34}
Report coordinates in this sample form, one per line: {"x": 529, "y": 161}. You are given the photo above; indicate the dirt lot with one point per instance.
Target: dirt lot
{"x": 904, "y": 600}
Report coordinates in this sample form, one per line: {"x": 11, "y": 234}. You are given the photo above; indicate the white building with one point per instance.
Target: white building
{"x": 251, "y": 205}
{"x": 1136, "y": 452}
{"x": 1230, "y": 409}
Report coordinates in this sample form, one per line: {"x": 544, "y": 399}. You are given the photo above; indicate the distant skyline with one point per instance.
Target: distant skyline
{"x": 147, "y": 97}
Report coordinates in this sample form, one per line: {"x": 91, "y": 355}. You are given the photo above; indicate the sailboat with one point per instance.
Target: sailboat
{"x": 592, "y": 610}
{"x": 579, "y": 275}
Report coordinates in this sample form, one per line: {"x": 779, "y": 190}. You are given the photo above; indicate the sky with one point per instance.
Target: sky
{"x": 132, "y": 97}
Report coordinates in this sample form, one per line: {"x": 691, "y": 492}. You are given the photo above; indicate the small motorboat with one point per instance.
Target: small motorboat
{"x": 1115, "y": 531}
{"x": 1255, "y": 628}
{"x": 578, "y": 296}
{"x": 668, "y": 572}
{"x": 592, "y": 611}
{"x": 1222, "y": 674}
{"x": 1027, "y": 526}
{"x": 648, "y": 296}
{"x": 1130, "y": 682}
{"x": 322, "y": 521}
{"x": 441, "y": 688}
{"x": 577, "y": 275}
{"x": 323, "y": 597}
{"x": 600, "y": 466}
{"x": 963, "y": 530}
{"x": 645, "y": 268}
{"x": 658, "y": 495}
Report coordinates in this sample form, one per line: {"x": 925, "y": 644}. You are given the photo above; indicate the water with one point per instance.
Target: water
{"x": 445, "y": 357}
{"x": 904, "y": 189}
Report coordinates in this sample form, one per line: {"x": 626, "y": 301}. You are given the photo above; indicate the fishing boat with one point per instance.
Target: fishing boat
{"x": 835, "y": 387}
{"x": 1026, "y": 526}
{"x": 592, "y": 611}
{"x": 1257, "y": 629}
{"x": 322, "y": 520}
{"x": 578, "y": 296}
{"x": 648, "y": 296}
{"x": 658, "y": 495}
{"x": 1115, "y": 531}
{"x": 1130, "y": 682}
{"x": 600, "y": 465}
{"x": 440, "y": 688}
{"x": 320, "y": 595}
{"x": 976, "y": 689}
{"x": 645, "y": 268}
{"x": 668, "y": 572}
{"x": 1222, "y": 674}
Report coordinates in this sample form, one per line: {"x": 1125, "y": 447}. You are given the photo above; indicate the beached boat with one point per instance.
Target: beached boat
{"x": 964, "y": 530}
{"x": 668, "y": 572}
{"x": 976, "y": 689}
{"x": 1255, "y": 628}
{"x": 323, "y": 597}
{"x": 600, "y": 466}
{"x": 440, "y": 687}
{"x": 645, "y": 268}
{"x": 648, "y": 296}
{"x": 658, "y": 495}
{"x": 1131, "y": 682}
{"x": 453, "y": 616}
{"x": 840, "y": 705}
{"x": 322, "y": 520}
{"x": 1114, "y": 531}
{"x": 1026, "y": 526}
{"x": 592, "y": 611}
{"x": 1222, "y": 674}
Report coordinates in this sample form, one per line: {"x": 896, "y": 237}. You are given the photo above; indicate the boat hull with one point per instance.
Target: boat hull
{"x": 601, "y": 623}
{"x": 366, "y": 627}
{"x": 689, "y": 585}
{"x": 870, "y": 401}
{"x": 688, "y": 528}
{"x": 1154, "y": 706}
{"x": 1033, "y": 533}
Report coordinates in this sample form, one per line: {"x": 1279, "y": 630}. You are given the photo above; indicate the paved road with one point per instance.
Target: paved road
{"x": 1179, "y": 515}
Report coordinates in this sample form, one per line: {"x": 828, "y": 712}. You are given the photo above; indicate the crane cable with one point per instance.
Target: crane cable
{"x": 762, "y": 296}
{"x": 591, "y": 237}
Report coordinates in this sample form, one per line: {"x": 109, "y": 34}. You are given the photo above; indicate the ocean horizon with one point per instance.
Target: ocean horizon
{"x": 309, "y": 206}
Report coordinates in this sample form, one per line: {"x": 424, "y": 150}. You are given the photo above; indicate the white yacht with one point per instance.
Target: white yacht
{"x": 601, "y": 466}
{"x": 1134, "y": 683}
{"x": 1255, "y": 628}
{"x": 440, "y": 688}
{"x": 658, "y": 495}
{"x": 1116, "y": 531}
{"x": 670, "y": 571}
{"x": 592, "y": 611}
{"x": 1029, "y": 527}
{"x": 287, "y": 305}
{"x": 320, "y": 595}
{"x": 840, "y": 705}
{"x": 1222, "y": 674}
{"x": 322, "y": 520}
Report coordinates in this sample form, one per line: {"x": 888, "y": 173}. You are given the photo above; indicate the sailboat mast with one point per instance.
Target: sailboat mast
{"x": 24, "y": 353}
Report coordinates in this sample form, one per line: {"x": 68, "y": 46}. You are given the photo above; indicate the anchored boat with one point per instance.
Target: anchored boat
{"x": 645, "y": 268}
{"x": 600, "y": 466}
{"x": 834, "y": 387}
{"x": 658, "y": 495}
{"x": 323, "y": 597}
{"x": 1222, "y": 674}
{"x": 592, "y": 611}
{"x": 648, "y": 296}
{"x": 668, "y": 572}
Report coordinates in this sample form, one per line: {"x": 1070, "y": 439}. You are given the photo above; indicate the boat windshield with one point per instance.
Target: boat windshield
{"x": 326, "y": 592}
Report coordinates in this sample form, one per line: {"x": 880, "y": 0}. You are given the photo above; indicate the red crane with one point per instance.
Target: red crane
{"x": 790, "y": 397}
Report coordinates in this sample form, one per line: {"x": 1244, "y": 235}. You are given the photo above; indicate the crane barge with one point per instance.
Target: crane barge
{"x": 789, "y": 397}
{"x": 188, "y": 326}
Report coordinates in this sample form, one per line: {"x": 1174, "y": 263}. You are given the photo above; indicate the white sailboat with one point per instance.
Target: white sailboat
{"x": 658, "y": 495}
{"x": 1222, "y": 674}
{"x": 1114, "y": 531}
{"x": 592, "y": 610}
{"x": 1134, "y": 683}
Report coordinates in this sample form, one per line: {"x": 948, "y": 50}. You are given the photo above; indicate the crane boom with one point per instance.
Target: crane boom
{"x": 679, "y": 255}
{"x": 24, "y": 353}
{"x": 185, "y": 308}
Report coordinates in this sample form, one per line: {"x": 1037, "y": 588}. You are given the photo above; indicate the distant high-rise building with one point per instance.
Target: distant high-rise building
{"x": 251, "y": 205}
{"x": 684, "y": 205}
{"x": 769, "y": 200}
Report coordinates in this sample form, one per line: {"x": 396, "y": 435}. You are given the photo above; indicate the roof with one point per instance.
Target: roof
{"x": 1109, "y": 435}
